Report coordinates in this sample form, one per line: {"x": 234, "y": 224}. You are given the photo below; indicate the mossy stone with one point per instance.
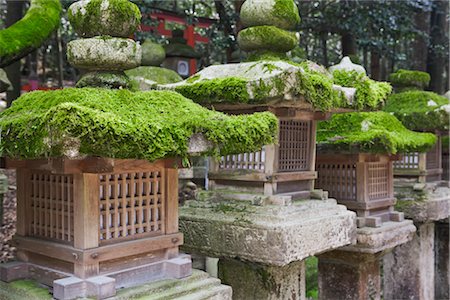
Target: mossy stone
{"x": 409, "y": 79}
{"x": 347, "y": 65}
{"x": 147, "y": 77}
{"x": 118, "y": 80}
{"x": 152, "y": 54}
{"x": 118, "y": 18}
{"x": 104, "y": 54}
{"x": 268, "y": 38}
{"x": 279, "y": 13}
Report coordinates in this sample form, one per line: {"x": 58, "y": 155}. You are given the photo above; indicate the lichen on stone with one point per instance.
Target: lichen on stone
{"x": 369, "y": 93}
{"x": 372, "y": 132}
{"x": 410, "y": 79}
{"x": 420, "y": 110}
{"x": 41, "y": 19}
{"x": 122, "y": 124}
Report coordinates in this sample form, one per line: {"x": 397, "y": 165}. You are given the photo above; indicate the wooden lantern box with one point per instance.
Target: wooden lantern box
{"x": 362, "y": 182}
{"x": 284, "y": 169}
{"x": 426, "y": 167}
{"x": 90, "y": 226}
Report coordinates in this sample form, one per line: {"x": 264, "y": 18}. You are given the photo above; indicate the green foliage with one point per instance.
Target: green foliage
{"x": 122, "y": 124}
{"x": 286, "y": 10}
{"x": 409, "y": 78}
{"x": 373, "y": 132}
{"x": 269, "y": 38}
{"x": 41, "y": 19}
{"x": 420, "y": 110}
{"x": 369, "y": 93}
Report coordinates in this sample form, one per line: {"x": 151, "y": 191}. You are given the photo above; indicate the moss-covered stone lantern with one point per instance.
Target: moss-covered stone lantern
{"x": 97, "y": 196}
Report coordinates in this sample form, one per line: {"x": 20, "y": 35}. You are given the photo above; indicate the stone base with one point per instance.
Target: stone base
{"x": 442, "y": 260}
{"x": 409, "y": 268}
{"x": 66, "y": 286}
{"x": 198, "y": 286}
{"x": 272, "y": 234}
{"x": 258, "y": 282}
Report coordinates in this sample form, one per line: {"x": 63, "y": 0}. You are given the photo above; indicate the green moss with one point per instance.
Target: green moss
{"x": 269, "y": 38}
{"x": 230, "y": 89}
{"x": 23, "y": 289}
{"x": 88, "y": 19}
{"x": 267, "y": 56}
{"x": 121, "y": 124}
{"x": 156, "y": 74}
{"x": 193, "y": 78}
{"x": 409, "y": 78}
{"x": 108, "y": 80}
{"x": 286, "y": 10}
{"x": 419, "y": 110}
{"x": 41, "y": 19}
{"x": 373, "y": 132}
{"x": 369, "y": 93}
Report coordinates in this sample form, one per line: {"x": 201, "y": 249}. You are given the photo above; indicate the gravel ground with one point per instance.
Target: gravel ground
{"x": 8, "y": 228}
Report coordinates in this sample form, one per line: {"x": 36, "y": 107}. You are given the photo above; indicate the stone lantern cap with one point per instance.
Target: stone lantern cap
{"x": 78, "y": 122}
{"x": 420, "y": 110}
{"x": 372, "y": 132}
{"x": 410, "y": 79}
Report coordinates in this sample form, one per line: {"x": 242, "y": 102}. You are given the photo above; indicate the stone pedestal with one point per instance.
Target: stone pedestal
{"x": 409, "y": 268}
{"x": 353, "y": 272}
{"x": 252, "y": 281}
{"x": 442, "y": 260}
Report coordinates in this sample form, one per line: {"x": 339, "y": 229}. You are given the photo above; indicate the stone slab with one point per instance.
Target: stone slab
{"x": 271, "y": 234}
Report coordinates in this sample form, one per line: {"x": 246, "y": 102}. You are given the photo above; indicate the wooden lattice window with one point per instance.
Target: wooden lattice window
{"x": 51, "y": 206}
{"x": 409, "y": 161}
{"x": 378, "y": 180}
{"x": 339, "y": 179}
{"x": 433, "y": 159}
{"x": 131, "y": 205}
{"x": 244, "y": 161}
{"x": 294, "y": 145}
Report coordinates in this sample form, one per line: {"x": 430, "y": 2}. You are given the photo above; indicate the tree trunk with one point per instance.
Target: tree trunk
{"x": 226, "y": 23}
{"x": 323, "y": 39}
{"x": 14, "y": 14}
{"x": 348, "y": 44}
{"x": 420, "y": 43}
{"x": 375, "y": 65}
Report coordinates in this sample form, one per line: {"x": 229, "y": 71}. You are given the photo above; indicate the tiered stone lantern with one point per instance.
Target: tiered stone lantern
{"x": 354, "y": 163}
{"x": 422, "y": 196}
{"x": 261, "y": 215}
{"x": 97, "y": 196}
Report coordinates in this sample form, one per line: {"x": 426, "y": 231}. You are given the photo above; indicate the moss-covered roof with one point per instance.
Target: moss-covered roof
{"x": 420, "y": 110}
{"x": 41, "y": 19}
{"x": 373, "y": 132}
{"x": 410, "y": 78}
{"x": 123, "y": 124}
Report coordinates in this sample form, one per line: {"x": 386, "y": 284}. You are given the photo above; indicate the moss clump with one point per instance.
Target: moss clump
{"x": 122, "y": 124}
{"x": 410, "y": 79}
{"x": 41, "y": 19}
{"x": 118, "y": 18}
{"x": 286, "y": 10}
{"x": 23, "y": 289}
{"x": 156, "y": 74}
{"x": 369, "y": 93}
{"x": 229, "y": 90}
{"x": 268, "y": 38}
{"x": 267, "y": 56}
{"x": 420, "y": 110}
{"x": 373, "y": 132}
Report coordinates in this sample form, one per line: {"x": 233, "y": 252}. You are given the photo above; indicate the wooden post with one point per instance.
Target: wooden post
{"x": 172, "y": 201}
{"x": 86, "y": 219}
{"x": 23, "y": 186}
{"x": 361, "y": 181}
{"x": 422, "y": 167}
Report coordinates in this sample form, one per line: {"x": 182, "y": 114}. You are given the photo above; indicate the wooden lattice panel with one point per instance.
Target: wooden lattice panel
{"x": 379, "y": 174}
{"x": 131, "y": 205}
{"x": 409, "y": 161}
{"x": 51, "y": 206}
{"x": 338, "y": 179}
{"x": 294, "y": 145}
{"x": 243, "y": 161}
{"x": 433, "y": 158}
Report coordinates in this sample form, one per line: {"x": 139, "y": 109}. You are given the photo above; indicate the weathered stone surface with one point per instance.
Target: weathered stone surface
{"x": 153, "y": 54}
{"x": 104, "y": 53}
{"x": 266, "y": 38}
{"x": 280, "y": 13}
{"x": 442, "y": 260}
{"x": 447, "y": 95}
{"x": 347, "y": 65}
{"x": 258, "y": 282}
{"x": 389, "y": 235}
{"x": 118, "y": 18}
{"x": 347, "y": 275}
{"x": 147, "y": 78}
{"x": 431, "y": 203}
{"x": 108, "y": 80}
{"x": 409, "y": 268}
{"x": 272, "y": 235}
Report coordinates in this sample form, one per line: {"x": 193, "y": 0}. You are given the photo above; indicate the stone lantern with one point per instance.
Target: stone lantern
{"x": 97, "y": 196}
